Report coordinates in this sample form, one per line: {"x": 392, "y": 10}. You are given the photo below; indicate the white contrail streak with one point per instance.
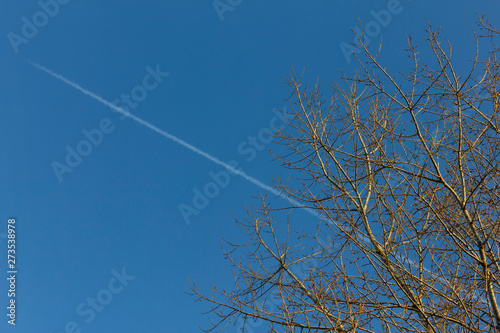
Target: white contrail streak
{"x": 167, "y": 135}
{"x": 184, "y": 144}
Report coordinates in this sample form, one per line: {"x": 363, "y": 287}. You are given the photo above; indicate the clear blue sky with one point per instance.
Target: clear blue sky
{"x": 118, "y": 208}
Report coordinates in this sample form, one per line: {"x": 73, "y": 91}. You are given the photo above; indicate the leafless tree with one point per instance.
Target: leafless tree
{"x": 401, "y": 175}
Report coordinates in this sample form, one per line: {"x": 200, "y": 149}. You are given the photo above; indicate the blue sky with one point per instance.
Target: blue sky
{"x": 112, "y": 227}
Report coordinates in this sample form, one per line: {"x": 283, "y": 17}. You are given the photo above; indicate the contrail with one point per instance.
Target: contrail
{"x": 184, "y": 144}
{"x": 168, "y": 135}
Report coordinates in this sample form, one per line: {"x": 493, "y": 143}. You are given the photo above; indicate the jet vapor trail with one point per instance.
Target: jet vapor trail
{"x": 184, "y": 144}
{"x": 168, "y": 135}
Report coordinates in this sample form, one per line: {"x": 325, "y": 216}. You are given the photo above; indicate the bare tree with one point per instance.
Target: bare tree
{"x": 402, "y": 173}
